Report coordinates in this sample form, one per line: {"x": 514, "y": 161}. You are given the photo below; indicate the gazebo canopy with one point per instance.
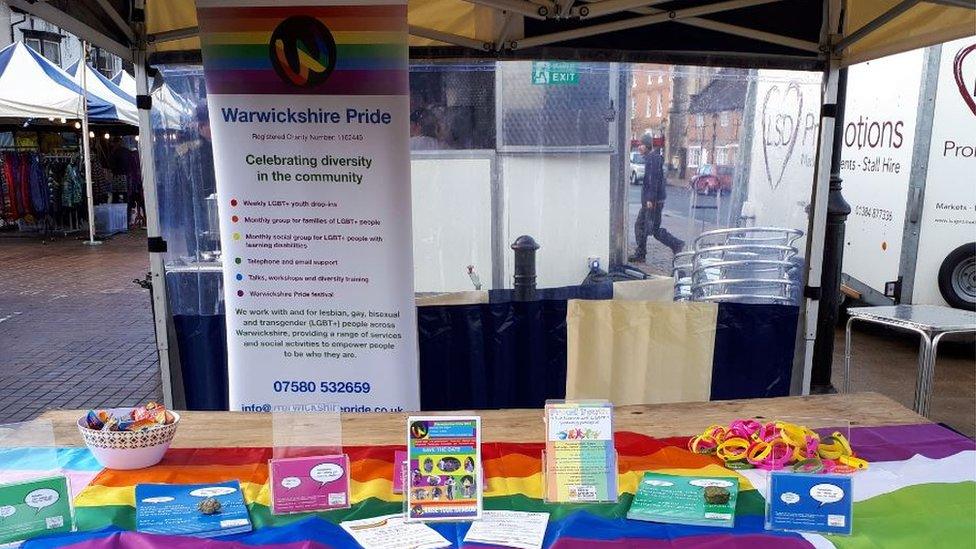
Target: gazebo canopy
{"x": 103, "y": 88}
{"x": 169, "y": 109}
{"x": 786, "y": 33}
{"x": 33, "y": 87}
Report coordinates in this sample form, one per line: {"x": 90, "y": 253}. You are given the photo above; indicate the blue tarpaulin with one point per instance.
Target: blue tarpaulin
{"x": 512, "y": 354}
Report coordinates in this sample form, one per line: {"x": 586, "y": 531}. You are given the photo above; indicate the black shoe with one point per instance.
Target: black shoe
{"x": 637, "y": 258}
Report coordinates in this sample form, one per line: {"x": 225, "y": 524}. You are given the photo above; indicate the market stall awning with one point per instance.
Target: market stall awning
{"x": 33, "y": 87}
{"x": 169, "y": 109}
{"x": 100, "y": 86}
{"x": 747, "y": 32}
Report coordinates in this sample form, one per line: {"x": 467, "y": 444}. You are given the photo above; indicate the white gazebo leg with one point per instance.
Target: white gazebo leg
{"x": 147, "y": 163}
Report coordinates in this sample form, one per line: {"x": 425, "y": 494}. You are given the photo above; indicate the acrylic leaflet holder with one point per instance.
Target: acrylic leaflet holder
{"x": 813, "y": 491}
{"x": 309, "y": 471}
{"x": 443, "y": 479}
{"x": 35, "y": 498}
{"x": 579, "y": 460}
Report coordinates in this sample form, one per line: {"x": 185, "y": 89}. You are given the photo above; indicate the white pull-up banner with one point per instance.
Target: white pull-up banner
{"x": 308, "y": 105}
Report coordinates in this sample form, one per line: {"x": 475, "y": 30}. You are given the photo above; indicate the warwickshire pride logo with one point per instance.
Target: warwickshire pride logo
{"x": 303, "y": 51}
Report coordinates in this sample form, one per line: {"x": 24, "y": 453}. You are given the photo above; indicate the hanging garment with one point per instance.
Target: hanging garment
{"x": 11, "y": 171}
{"x": 23, "y": 185}
{"x": 73, "y": 193}
{"x": 40, "y": 194}
{"x": 5, "y": 213}
{"x": 55, "y": 170}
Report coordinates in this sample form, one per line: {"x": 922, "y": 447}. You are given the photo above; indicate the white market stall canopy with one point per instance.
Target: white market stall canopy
{"x": 786, "y": 33}
{"x": 170, "y": 111}
{"x": 105, "y": 89}
{"x": 33, "y": 87}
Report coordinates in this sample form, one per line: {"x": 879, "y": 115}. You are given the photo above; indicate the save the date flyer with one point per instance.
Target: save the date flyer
{"x": 444, "y": 464}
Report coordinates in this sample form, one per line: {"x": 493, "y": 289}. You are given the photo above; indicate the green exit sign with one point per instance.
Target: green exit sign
{"x": 554, "y": 73}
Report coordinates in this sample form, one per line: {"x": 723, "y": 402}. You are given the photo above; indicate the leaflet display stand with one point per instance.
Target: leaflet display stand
{"x": 309, "y": 470}
{"x": 814, "y": 492}
{"x": 35, "y": 497}
{"x": 579, "y": 460}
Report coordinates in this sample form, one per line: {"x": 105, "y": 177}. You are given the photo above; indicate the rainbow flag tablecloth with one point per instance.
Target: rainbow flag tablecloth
{"x": 920, "y": 491}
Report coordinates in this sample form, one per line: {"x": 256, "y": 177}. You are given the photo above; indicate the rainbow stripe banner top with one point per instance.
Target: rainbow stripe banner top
{"x": 247, "y": 51}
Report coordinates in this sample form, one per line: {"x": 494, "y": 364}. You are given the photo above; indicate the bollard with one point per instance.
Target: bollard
{"x": 525, "y": 247}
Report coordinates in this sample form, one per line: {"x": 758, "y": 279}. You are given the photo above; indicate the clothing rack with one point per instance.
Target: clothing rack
{"x": 56, "y": 218}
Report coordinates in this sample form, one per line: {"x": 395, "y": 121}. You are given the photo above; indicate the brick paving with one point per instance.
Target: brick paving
{"x": 75, "y": 331}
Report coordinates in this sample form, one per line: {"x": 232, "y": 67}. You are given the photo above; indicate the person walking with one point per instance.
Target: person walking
{"x": 653, "y": 195}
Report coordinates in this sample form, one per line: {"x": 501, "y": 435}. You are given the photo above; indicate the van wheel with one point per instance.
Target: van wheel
{"x": 957, "y": 277}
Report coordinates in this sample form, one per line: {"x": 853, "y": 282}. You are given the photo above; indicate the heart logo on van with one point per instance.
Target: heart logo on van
{"x": 779, "y": 148}
{"x": 968, "y": 94}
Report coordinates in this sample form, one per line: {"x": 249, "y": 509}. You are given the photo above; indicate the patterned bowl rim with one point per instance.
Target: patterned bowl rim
{"x": 86, "y": 431}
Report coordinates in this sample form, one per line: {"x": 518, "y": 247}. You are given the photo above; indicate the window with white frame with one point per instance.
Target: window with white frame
{"x": 633, "y": 107}
{"x": 34, "y": 44}
{"x": 694, "y": 156}
{"x": 726, "y": 154}
{"x": 660, "y": 78}
{"x": 660, "y": 106}
{"x": 48, "y": 44}
{"x": 700, "y": 120}
{"x": 650, "y": 78}
{"x": 723, "y": 118}
{"x": 647, "y": 107}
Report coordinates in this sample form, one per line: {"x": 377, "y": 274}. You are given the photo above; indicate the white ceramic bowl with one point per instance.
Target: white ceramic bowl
{"x": 129, "y": 449}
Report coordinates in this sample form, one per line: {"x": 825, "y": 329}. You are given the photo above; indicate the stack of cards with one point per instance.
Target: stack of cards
{"x": 807, "y": 502}
{"x": 697, "y": 501}
{"x": 201, "y": 510}
{"x": 303, "y": 484}
{"x": 580, "y": 460}
{"x": 34, "y": 508}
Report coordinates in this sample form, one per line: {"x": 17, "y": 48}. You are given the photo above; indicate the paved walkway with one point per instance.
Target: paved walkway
{"x": 75, "y": 332}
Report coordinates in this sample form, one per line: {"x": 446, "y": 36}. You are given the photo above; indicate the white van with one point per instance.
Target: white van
{"x": 909, "y": 174}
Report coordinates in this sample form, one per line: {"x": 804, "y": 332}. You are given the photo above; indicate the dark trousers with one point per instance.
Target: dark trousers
{"x": 648, "y": 224}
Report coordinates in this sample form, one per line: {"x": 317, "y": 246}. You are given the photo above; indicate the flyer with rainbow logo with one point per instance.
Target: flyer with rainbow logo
{"x": 580, "y": 459}
{"x": 444, "y": 463}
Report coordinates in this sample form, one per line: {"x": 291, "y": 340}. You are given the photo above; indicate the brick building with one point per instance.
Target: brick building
{"x": 713, "y": 124}
{"x": 650, "y": 99}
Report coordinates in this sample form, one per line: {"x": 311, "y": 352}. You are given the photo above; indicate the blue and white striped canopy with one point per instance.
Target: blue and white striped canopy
{"x": 105, "y": 89}
{"x": 33, "y": 87}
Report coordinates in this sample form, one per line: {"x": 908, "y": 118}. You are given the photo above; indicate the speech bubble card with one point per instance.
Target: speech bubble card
{"x": 315, "y": 483}
{"x": 34, "y": 508}
{"x": 810, "y": 503}
{"x": 180, "y": 509}
{"x": 680, "y": 499}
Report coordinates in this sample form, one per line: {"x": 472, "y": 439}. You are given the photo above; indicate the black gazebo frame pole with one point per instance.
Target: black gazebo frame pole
{"x": 837, "y": 211}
